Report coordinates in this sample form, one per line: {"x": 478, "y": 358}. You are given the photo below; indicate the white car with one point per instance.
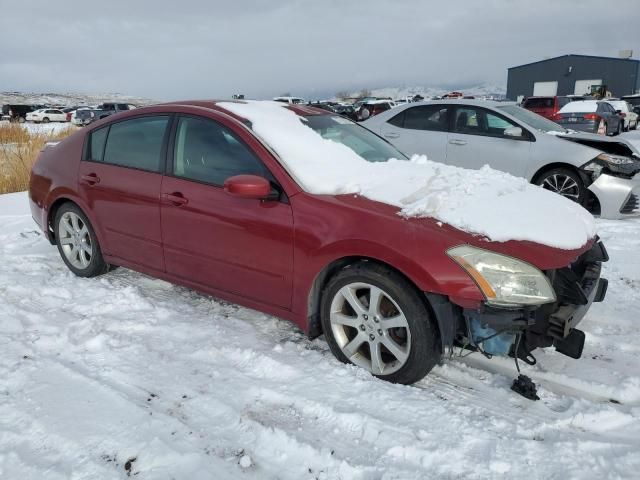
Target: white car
{"x": 291, "y": 100}
{"x": 623, "y": 108}
{"x": 474, "y": 133}
{"x": 46, "y": 115}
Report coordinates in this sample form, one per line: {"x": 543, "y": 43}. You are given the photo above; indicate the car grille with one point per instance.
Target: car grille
{"x": 631, "y": 204}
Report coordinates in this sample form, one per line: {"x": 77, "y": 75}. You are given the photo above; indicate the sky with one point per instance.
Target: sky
{"x": 167, "y": 50}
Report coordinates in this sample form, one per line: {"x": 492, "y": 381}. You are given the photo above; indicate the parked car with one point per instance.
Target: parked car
{"x": 625, "y": 110}
{"x": 86, "y": 116}
{"x": 290, "y": 100}
{"x": 389, "y": 293}
{"x": 372, "y": 108}
{"x": 346, "y": 111}
{"x": 471, "y": 134}
{"x": 546, "y": 106}
{"x": 592, "y": 116}
{"x": 46, "y": 115}
{"x": 17, "y": 113}
{"x": 633, "y": 100}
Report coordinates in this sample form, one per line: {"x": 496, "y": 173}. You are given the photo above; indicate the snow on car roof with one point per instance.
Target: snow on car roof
{"x": 485, "y": 202}
{"x": 580, "y": 106}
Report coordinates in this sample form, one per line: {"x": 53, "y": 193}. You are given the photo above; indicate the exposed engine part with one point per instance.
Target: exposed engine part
{"x": 524, "y": 386}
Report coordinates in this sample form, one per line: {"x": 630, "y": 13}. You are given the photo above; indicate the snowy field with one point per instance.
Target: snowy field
{"x": 125, "y": 375}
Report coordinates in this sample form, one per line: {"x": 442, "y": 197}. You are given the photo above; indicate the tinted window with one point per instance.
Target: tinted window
{"x": 96, "y": 144}
{"x": 545, "y": 102}
{"x": 123, "y": 106}
{"x": 137, "y": 143}
{"x": 398, "y": 120}
{"x": 562, "y": 101}
{"x": 209, "y": 152}
{"x": 427, "y": 117}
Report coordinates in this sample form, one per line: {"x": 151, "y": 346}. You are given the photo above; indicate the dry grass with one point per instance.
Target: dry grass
{"x": 18, "y": 150}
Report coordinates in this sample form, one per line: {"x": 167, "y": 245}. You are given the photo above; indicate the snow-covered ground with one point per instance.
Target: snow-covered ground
{"x": 125, "y": 374}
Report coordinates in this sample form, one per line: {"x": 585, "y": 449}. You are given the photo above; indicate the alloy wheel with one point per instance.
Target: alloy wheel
{"x": 370, "y": 328}
{"x": 75, "y": 240}
{"x": 563, "y": 185}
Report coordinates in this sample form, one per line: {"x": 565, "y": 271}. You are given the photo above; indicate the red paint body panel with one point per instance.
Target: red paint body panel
{"x": 242, "y": 246}
{"x": 262, "y": 254}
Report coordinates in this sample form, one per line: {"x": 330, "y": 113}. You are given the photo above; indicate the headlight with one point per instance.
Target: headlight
{"x": 613, "y": 164}
{"x": 614, "y": 159}
{"x": 504, "y": 281}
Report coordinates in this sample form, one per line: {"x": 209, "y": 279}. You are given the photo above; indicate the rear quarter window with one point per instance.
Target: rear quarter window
{"x": 97, "y": 140}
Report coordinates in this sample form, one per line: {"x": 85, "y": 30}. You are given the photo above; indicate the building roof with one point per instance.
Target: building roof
{"x": 575, "y": 55}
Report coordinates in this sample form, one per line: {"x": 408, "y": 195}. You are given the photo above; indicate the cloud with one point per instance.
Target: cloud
{"x": 203, "y": 49}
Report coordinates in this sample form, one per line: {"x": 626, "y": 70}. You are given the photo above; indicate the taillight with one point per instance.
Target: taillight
{"x": 591, "y": 116}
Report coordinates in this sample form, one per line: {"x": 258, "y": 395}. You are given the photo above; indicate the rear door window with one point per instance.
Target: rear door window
{"x": 426, "y": 117}
{"x": 137, "y": 143}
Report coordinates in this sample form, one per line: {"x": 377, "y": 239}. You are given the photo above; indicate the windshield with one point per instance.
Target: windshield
{"x": 532, "y": 119}
{"x": 365, "y": 143}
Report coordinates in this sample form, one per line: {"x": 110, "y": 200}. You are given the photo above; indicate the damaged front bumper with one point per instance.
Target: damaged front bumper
{"x": 618, "y": 197}
{"x": 517, "y": 332}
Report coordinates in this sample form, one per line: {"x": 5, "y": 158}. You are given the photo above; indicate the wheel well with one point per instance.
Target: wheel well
{"x": 55, "y": 206}
{"x": 321, "y": 280}
{"x": 552, "y": 166}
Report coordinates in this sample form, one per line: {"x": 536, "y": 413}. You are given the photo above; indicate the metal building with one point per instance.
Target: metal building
{"x": 574, "y": 75}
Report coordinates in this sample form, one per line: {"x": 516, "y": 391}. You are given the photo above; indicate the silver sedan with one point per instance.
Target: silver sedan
{"x": 603, "y": 176}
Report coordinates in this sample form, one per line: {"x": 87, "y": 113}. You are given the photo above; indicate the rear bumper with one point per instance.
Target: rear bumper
{"x": 618, "y": 197}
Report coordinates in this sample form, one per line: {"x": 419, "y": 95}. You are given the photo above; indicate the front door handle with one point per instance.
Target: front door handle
{"x": 175, "y": 198}
{"x": 392, "y": 135}
{"x": 90, "y": 179}
{"x": 455, "y": 141}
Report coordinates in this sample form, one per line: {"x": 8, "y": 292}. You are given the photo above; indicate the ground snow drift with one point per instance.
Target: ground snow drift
{"x": 485, "y": 202}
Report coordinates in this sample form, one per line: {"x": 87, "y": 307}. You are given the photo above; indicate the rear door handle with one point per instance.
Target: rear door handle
{"x": 175, "y": 198}
{"x": 90, "y": 179}
{"x": 392, "y": 135}
{"x": 455, "y": 141}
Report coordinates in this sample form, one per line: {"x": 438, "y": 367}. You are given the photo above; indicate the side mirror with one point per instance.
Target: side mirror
{"x": 513, "y": 132}
{"x": 248, "y": 186}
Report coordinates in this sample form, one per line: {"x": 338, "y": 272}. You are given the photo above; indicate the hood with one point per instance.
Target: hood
{"x": 613, "y": 146}
{"x": 446, "y": 236}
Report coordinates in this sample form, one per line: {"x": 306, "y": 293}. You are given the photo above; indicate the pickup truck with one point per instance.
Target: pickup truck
{"x": 85, "y": 117}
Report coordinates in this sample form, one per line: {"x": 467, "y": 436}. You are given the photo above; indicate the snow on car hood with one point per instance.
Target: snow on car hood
{"x": 484, "y": 202}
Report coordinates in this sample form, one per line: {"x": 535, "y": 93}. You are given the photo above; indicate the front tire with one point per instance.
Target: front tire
{"x": 77, "y": 242}
{"x": 45, "y": 120}
{"x": 563, "y": 182}
{"x": 374, "y": 318}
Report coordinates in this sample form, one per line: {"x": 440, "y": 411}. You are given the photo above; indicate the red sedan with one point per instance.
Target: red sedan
{"x": 188, "y": 192}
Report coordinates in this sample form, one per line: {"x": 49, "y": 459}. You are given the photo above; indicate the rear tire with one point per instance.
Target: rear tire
{"x": 394, "y": 338}
{"x": 77, "y": 242}
{"x": 563, "y": 182}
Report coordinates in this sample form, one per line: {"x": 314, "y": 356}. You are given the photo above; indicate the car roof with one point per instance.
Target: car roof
{"x": 302, "y": 110}
{"x": 470, "y": 102}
